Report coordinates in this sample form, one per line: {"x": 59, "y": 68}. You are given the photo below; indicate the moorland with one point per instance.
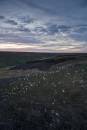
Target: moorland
{"x": 43, "y": 91}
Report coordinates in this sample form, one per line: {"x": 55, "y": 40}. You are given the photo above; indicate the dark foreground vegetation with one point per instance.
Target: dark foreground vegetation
{"x": 41, "y": 98}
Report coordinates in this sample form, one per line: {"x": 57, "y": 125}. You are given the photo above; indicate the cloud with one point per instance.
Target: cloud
{"x": 55, "y": 28}
{"x": 26, "y": 19}
{"x": 2, "y": 17}
{"x": 37, "y": 5}
{"x": 23, "y": 29}
{"x": 48, "y": 24}
{"x": 12, "y": 22}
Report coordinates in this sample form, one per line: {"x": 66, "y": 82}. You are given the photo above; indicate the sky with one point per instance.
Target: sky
{"x": 43, "y": 25}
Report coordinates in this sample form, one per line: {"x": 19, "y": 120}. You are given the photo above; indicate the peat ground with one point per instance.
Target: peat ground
{"x": 54, "y": 98}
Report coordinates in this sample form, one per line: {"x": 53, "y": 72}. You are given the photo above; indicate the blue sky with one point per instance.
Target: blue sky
{"x": 43, "y": 25}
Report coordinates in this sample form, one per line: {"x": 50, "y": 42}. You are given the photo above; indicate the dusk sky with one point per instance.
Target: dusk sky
{"x": 43, "y": 25}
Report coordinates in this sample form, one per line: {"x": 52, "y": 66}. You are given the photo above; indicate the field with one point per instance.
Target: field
{"x": 43, "y": 91}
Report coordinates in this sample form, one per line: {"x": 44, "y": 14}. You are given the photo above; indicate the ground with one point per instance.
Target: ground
{"x": 44, "y": 99}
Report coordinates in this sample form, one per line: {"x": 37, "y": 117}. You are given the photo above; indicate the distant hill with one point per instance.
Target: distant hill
{"x": 46, "y": 63}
